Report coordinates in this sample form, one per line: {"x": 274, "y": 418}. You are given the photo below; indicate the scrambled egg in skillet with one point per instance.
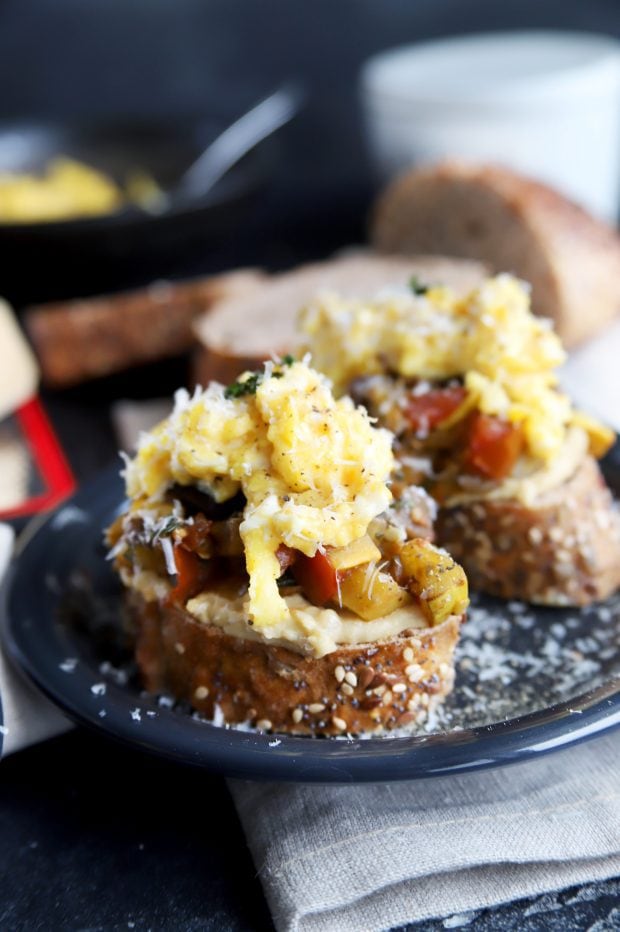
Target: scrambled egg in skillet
{"x": 506, "y": 357}
{"x": 312, "y": 469}
{"x": 67, "y": 189}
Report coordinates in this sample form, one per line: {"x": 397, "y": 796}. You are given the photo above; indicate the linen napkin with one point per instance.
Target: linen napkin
{"x": 373, "y": 857}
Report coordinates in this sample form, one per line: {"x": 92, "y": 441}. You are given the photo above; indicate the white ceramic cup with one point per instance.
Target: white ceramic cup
{"x": 544, "y": 103}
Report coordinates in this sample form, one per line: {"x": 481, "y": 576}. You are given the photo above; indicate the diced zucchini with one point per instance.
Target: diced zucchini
{"x": 362, "y": 550}
{"x": 435, "y": 579}
{"x": 371, "y": 594}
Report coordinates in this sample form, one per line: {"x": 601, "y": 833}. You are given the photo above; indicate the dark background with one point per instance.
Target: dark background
{"x": 93, "y": 836}
{"x": 139, "y": 58}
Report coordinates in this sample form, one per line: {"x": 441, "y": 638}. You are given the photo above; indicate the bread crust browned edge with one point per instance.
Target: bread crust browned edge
{"x": 580, "y": 254}
{"x": 357, "y": 689}
{"x": 562, "y": 550}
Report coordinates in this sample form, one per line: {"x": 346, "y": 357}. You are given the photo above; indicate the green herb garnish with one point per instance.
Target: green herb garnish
{"x": 167, "y": 528}
{"x": 244, "y": 386}
{"x": 417, "y": 286}
{"x": 249, "y": 385}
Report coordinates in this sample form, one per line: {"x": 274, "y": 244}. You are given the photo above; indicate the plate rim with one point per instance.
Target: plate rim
{"x": 254, "y": 755}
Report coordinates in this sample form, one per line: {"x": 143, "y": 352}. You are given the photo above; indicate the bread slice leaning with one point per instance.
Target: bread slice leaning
{"x": 242, "y": 332}
{"x": 366, "y": 688}
{"x": 94, "y": 337}
{"x": 563, "y": 549}
{"x": 514, "y": 224}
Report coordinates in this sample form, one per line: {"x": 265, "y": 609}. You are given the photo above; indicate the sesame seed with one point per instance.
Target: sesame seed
{"x": 201, "y": 692}
{"x": 535, "y": 535}
{"x": 264, "y": 724}
{"x": 347, "y": 689}
{"x": 387, "y": 697}
{"x": 339, "y": 673}
{"x": 350, "y": 678}
{"x": 339, "y": 723}
{"x": 180, "y": 648}
{"x": 297, "y": 715}
{"x": 408, "y": 655}
{"x": 399, "y": 688}
{"x": 416, "y": 643}
{"x": 414, "y": 672}
{"x": 379, "y": 690}
{"x": 316, "y": 707}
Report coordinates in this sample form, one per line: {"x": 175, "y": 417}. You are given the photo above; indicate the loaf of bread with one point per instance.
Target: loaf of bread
{"x": 513, "y": 224}
{"x": 243, "y": 331}
{"x": 80, "y": 340}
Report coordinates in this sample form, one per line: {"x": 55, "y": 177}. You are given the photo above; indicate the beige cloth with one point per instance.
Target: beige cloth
{"x": 373, "y": 857}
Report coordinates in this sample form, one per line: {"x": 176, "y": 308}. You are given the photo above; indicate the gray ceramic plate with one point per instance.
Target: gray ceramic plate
{"x": 529, "y": 680}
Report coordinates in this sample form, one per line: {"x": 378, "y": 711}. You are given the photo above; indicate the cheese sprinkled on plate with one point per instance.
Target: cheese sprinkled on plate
{"x": 313, "y": 469}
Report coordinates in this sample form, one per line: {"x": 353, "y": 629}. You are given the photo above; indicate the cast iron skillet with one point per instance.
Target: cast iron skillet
{"x": 62, "y": 644}
{"x": 70, "y": 258}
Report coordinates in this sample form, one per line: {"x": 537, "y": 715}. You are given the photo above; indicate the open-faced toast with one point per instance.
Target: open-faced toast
{"x": 469, "y": 388}
{"x": 273, "y": 578}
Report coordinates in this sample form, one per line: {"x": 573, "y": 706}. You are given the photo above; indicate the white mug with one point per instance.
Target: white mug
{"x": 544, "y": 103}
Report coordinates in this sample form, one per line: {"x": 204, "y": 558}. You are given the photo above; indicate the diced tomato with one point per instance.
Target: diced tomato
{"x": 192, "y": 574}
{"x": 493, "y": 446}
{"x": 286, "y": 556}
{"x": 426, "y": 412}
{"x": 317, "y": 577}
{"x": 196, "y": 534}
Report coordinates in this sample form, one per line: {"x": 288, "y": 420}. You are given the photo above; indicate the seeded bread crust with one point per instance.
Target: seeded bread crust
{"x": 241, "y": 333}
{"x": 374, "y": 687}
{"x": 514, "y": 224}
{"x": 563, "y": 550}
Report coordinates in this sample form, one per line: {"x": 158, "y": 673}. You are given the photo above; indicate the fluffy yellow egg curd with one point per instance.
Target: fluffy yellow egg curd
{"x": 312, "y": 469}
{"x": 66, "y": 189}
{"x": 505, "y": 357}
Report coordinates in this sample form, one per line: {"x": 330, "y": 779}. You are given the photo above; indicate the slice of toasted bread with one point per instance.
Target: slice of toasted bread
{"x": 242, "y": 332}
{"x": 514, "y": 224}
{"x": 93, "y": 337}
{"x": 365, "y": 688}
{"x": 563, "y": 549}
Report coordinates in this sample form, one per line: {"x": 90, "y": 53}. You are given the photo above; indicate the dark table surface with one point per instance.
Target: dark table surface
{"x": 96, "y": 837}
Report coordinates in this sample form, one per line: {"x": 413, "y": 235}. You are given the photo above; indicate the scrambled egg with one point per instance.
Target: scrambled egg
{"x": 505, "y": 355}
{"x": 313, "y": 469}
{"x": 70, "y": 189}
{"x": 67, "y": 189}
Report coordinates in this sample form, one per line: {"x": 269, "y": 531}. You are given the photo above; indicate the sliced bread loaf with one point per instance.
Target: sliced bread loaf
{"x": 241, "y": 332}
